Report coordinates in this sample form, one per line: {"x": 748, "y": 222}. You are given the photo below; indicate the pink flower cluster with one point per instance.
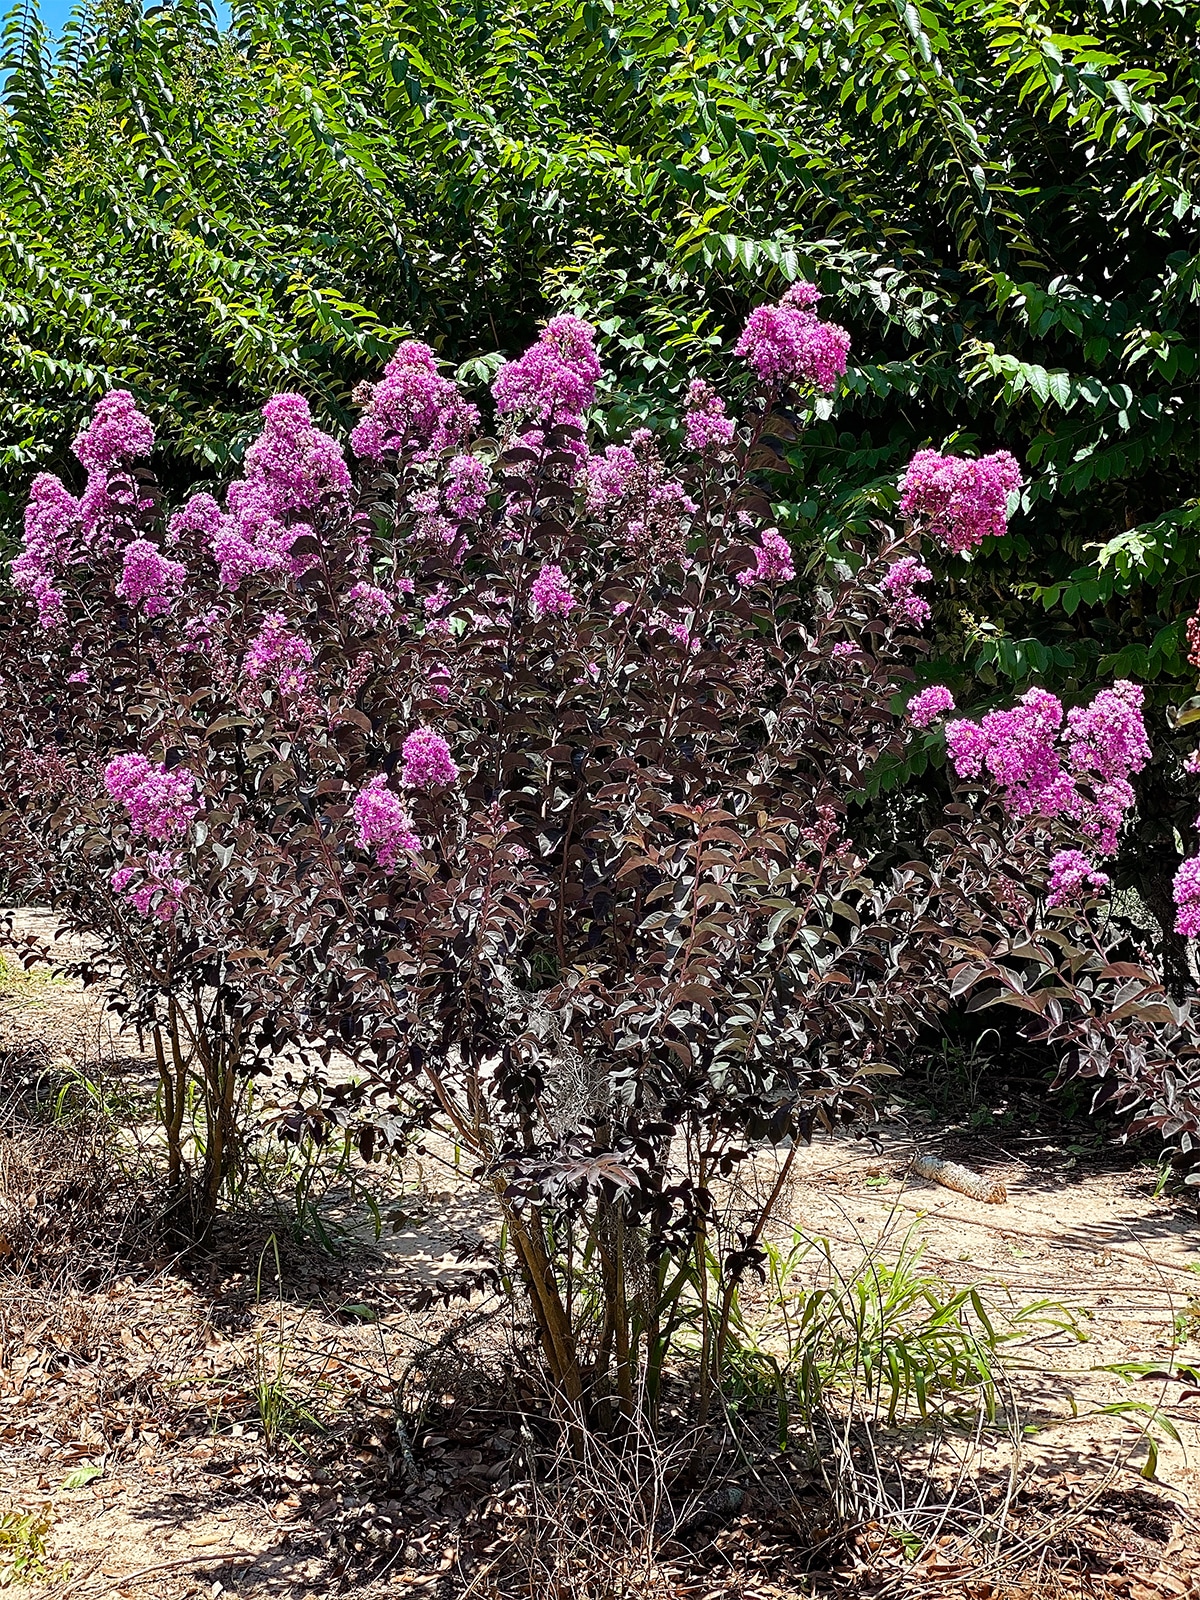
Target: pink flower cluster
{"x": 1108, "y": 738}
{"x": 961, "y": 503}
{"x": 293, "y": 470}
{"x": 1022, "y": 748}
{"x": 1071, "y": 875}
{"x": 384, "y": 823}
{"x": 708, "y": 428}
{"x": 1187, "y": 898}
{"x": 925, "y": 708}
{"x": 629, "y": 483}
{"x": 160, "y": 804}
{"x": 57, "y": 525}
{"x": 161, "y": 889}
{"x": 899, "y": 584}
{"x": 788, "y": 343}
{"x": 466, "y": 486}
{"x": 148, "y": 579}
{"x": 772, "y": 561}
{"x": 277, "y": 654}
{"x": 427, "y": 761}
{"x": 555, "y": 380}
{"x": 612, "y": 475}
{"x": 117, "y": 434}
{"x": 51, "y": 524}
{"x": 549, "y": 595}
{"x": 413, "y": 410}
{"x": 369, "y": 604}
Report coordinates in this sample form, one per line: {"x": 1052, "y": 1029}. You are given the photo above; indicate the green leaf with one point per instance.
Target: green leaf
{"x": 358, "y": 1311}
{"x": 80, "y": 1476}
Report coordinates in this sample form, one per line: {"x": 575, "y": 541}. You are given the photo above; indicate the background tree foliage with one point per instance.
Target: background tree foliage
{"x": 1002, "y": 195}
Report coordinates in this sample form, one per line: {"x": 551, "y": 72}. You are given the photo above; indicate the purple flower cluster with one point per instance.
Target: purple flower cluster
{"x": 148, "y": 579}
{"x": 1187, "y": 898}
{"x": 117, "y": 434}
{"x": 899, "y": 584}
{"x": 772, "y": 561}
{"x": 1022, "y": 749}
{"x": 554, "y": 382}
{"x": 925, "y": 708}
{"x": 466, "y": 486}
{"x": 549, "y": 595}
{"x": 629, "y": 484}
{"x": 611, "y": 476}
{"x": 51, "y": 524}
{"x": 369, "y": 604}
{"x": 293, "y": 470}
{"x": 56, "y": 524}
{"x": 708, "y": 428}
{"x": 160, "y": 804}
{"x": 427, "y": 761}
{"x": 1108, "y": 738}
{"x": 1071, "y": 875}
{"x": 159, "y": 892}
{"x": 277, "y": 654}
{"x": 961, "y": 503}
{"x": 413, "y": 410}
{"x": 384, "y": 823}
{"x": 788, "y": 343}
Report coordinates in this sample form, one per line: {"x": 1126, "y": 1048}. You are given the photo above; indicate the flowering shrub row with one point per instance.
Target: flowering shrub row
{"x": 522, "y": 775}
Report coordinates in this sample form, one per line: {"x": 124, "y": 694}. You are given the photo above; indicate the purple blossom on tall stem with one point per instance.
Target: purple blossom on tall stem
{"x": 427, "y": 761}
{"x": 708, "y": 428}
{"x": 900, "y": 587}
{"x": 293, "y": 474}
{"x": 160, "y": 803}
{"x": 149, "y": 579}
{"x": 549, "y": 594}
{"x": 384, "y": 824}
{"x": 772, "y": 561}
{"x": 789, "y": 344}
{"x": 117, "y": 434}
{"x": 960, "y": 502}
{"x": 279, "y": 655}
{"x": 1187, "y": 898}
{"x": 413, "y": 410}
{"x": 925, "y": 708}
{"x": 1022, "y": 749}
{"x": 554, "y": 382}
{"x": 466, "y": 486}
{"x": 1071, "y": 875}
{"x": 51, "y": 527}
{"x": 370, "y": 604}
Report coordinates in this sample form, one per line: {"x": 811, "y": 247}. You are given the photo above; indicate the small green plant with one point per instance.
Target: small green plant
{"x": 283, "y": 1414}
{"x": 887, "y": 1338}
{"x": 951, "y": 1078}
{"x": 23, "y": 1536}
{"x": 29, "y": 981}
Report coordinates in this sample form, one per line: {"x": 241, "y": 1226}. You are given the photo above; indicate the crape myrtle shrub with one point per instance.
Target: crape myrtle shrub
{"x": 509, "y": 789}
{"x": 1005, "y": 197}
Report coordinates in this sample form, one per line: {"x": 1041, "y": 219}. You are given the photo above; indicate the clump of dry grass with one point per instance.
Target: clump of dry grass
{"x": 75, "y": 1201}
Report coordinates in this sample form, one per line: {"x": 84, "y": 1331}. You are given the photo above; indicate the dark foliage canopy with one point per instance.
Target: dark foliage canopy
{"x": 1003, "y": 198}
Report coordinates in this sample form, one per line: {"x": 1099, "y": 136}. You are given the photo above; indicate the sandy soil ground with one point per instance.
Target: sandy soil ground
{"x": 198, "y": 1427}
